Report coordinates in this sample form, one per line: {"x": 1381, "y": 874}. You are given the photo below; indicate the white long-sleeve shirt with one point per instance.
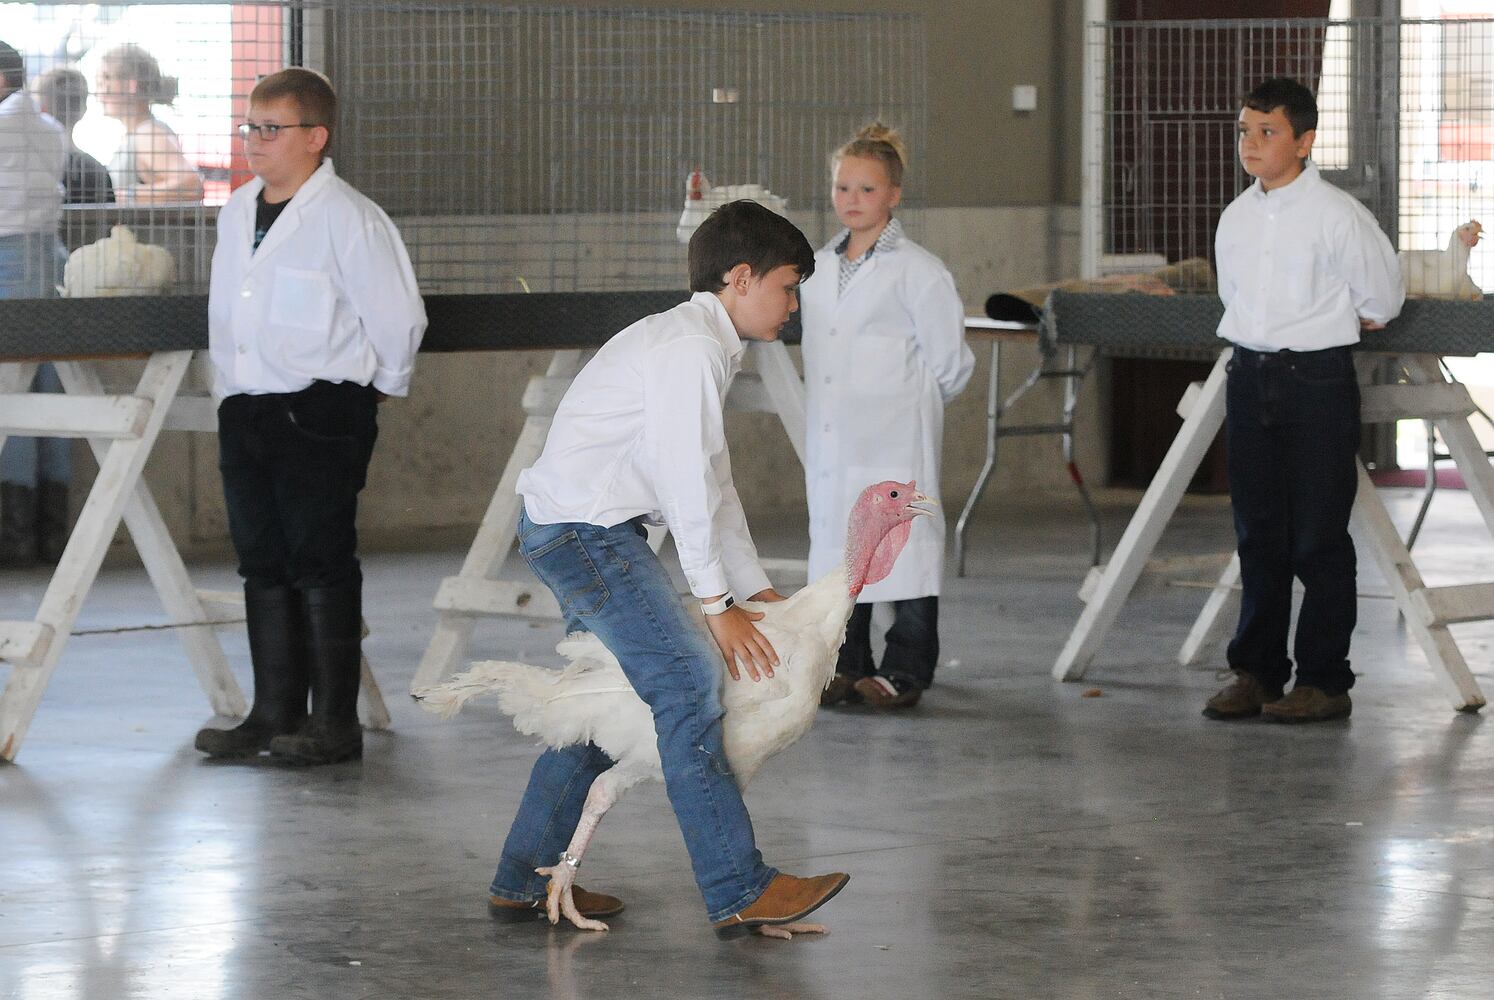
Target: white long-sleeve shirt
{"x": 329, "y": 294}
{"x": 641, "y": 432}
{"x": 33, "y": 158}
{"x": 1301, "y": 265}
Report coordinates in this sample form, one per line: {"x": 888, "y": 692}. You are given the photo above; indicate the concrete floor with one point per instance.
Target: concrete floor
{"x": 1009, "y": 838}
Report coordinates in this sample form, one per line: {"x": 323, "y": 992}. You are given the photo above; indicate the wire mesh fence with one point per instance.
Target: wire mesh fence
{"x": 517, "y": 148}
{"x": 1406, "y": 124}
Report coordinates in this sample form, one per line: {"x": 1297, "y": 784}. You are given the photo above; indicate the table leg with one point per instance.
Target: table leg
{"x": 993, "y": 417}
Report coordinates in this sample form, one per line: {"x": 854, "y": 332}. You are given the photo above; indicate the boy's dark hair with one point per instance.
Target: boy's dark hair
{"x": 1295, "y": 101}
{"x": 744, "y": 232}
{"x": 311, "y": 91}
{"x": 12, "y": 68}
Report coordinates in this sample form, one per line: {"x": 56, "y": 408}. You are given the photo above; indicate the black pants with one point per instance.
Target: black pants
{"x": 293, "y": 465}
{"x": 912, "y": 643}
{"x": 1293, "y": 436}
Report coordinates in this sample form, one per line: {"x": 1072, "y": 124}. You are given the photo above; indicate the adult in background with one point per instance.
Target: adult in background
{"x": 33, "y": 154}
{"x": 63, "y": 94}
{"x": 148, "y": 167}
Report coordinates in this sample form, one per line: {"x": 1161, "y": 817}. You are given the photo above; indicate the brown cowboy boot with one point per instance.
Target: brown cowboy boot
{"x": 786, "y": 899}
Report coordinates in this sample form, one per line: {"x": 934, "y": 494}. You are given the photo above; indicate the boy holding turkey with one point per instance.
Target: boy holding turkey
{"x": 640, "y": 437}
{"x": 1303, "y": 268}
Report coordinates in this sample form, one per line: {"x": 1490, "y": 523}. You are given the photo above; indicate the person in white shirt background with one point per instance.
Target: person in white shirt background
{"x": 1303, "y": 268}
{"x": 34, "y": 472}
{"x": 149, "y": 166}
{"x": 884, "y": 351}
{"x": 314, "y": 316}
{"x": 640, "y": 437}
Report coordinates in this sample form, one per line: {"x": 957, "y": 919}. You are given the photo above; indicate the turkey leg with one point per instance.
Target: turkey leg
{"x": 562, "y": 874}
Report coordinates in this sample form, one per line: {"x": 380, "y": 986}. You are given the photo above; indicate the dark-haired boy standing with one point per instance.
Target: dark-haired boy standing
{"x": 1303, "y": 267}
{"x": 639, "y": 436}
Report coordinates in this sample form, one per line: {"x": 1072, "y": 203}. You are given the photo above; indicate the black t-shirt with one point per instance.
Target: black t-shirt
{"x": 86, "y": 181}
{"x": 265, "y": 214}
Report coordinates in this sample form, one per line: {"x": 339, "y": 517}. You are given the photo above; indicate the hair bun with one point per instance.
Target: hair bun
{"x": 879, "y": 132}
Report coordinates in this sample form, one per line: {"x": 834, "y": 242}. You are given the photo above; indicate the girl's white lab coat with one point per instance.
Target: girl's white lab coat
{"x": 880, "y": 362}
{"x": 329, "y": 294}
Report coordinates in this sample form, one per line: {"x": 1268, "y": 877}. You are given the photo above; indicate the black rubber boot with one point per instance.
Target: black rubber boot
{"x": 51, "y": 522}
{"x": 334, "y": 628}
{"x": 277, "y": 650}
{"x": 17, "y": 525}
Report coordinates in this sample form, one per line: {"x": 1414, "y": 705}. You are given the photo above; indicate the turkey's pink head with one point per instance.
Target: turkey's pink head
{"x": 880, "y": 522}
{"x": 1469, "y": 233}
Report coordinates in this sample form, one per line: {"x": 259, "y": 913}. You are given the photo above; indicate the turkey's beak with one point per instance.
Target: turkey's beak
{"x": 921, "y": 504}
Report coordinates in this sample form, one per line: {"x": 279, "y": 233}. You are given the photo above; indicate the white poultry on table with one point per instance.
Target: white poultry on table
{"x": 1443, "y": 274}
{"x": 117, "y": 265}
{"x": 591, "y": 701}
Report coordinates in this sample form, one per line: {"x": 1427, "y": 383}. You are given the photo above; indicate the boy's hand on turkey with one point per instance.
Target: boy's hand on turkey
{"x": 767, "y": 596}
{"x": 741, "y": 644}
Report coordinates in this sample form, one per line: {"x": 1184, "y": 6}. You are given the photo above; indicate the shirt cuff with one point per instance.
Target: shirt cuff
{"x": 391, "y": 382}
{"x": 709, "y": 582}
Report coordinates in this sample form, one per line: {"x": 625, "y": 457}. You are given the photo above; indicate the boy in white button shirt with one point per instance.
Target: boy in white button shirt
{"x": 314, "y": 316}
{"x": 639, "y": 437}
{"x": 1303, "y": 268}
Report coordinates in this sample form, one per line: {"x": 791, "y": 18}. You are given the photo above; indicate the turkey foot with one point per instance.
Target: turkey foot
{"x": 558, "y": 898}
{"x": 785, "y": 932}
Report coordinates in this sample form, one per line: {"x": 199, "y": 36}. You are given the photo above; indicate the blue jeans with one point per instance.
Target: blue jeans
{"x": 30, "y": 268}
{"x": 609, "y": 582}
{"x": 28, "y": 461}
{"x": 1292, "y": 420}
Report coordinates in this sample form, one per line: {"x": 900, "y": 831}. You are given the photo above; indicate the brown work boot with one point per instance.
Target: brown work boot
{"x": 786, "y": 899}
{"x": 1308, "y": 704}
{"x": 842, "y": 688}
{"x": 1241, "y": 699}
{"x": 889, "y": 692}
{"x": 591, "y": 905}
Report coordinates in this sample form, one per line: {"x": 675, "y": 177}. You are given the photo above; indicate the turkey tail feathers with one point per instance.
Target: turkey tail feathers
{"x": 487, "y": 677}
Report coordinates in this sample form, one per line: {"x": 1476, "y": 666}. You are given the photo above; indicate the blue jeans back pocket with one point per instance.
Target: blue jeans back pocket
{"x": 564, "y": 565}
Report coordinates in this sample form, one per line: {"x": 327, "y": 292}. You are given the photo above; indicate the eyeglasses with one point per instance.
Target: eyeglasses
{"x": 268, "y": 133}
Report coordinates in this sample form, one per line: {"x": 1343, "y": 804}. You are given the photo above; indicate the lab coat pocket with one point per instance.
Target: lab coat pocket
{"x": 302, "y": 299}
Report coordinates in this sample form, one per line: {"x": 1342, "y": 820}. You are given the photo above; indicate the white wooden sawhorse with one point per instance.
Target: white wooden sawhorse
{"x": 1428, "y": 611}
{"x": 121, "y": 430}
{"x": 774, "y": 387}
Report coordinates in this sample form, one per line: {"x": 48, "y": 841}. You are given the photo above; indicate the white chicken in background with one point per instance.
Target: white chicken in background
{"x": 702, "y": 198}
{"x": 1443, "y": 274}
{"x": 591, "y": 701}
{"x": 117, "y": 265}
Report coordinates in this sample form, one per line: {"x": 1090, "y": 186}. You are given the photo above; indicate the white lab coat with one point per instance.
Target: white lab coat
{"x": 329, "y": 294}
{"x": 880, "y": 362}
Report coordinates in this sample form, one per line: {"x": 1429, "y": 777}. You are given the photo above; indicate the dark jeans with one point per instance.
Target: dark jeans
{"x": 1292, "y": 420}
{"x": 293, "y": 465}
{"x": 912, "y": 651}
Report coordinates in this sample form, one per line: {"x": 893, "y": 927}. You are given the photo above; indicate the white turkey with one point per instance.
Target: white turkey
{"x": 590, "y": 701}
{"x": 119, "y": 264}
{"x": 1443, "y": 274}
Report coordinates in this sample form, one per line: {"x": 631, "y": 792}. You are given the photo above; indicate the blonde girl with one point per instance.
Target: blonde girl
{"x": 884, "y": 351}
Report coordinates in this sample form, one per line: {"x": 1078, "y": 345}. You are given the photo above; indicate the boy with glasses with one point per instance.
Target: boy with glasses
{"x": 314, "y": 317}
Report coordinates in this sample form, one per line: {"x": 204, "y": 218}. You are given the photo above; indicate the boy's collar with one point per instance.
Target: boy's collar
{"x": 725, "y": 329}
{"x": 319, "y": 178}
{"x": 1291, "y": 190}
